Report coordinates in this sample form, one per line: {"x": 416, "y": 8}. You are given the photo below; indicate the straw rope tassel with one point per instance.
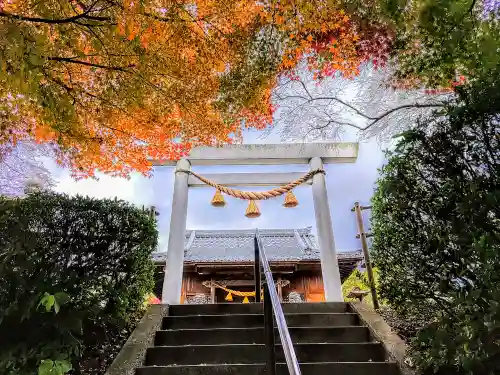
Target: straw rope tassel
{"x": 252, "y": 210}
{"x": 256, "y": 195}
{"x": 218, "y": 199}
{"x": 229, "y": 297}
{"x": 245, "y": 300}
{"x": 290, "y": 200}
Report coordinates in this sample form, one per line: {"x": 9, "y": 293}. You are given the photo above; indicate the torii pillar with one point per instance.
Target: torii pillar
{"x": 316, "y": 154}
{"x": 329, "y": 263}
{"x": 171, "y": 292}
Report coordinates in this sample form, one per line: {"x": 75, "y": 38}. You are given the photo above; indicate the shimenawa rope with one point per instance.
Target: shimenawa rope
{"x": 256, "y": 195}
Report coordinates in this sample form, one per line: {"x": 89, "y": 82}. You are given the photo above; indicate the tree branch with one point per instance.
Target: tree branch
{"x": 305, "y": 89}
{"x": 471, "y": 8}
{"x": 341, "y": 123}
{"x": 51, "y": 20}
{"x": 56, "y": 21}
{"x": 416, "y": 105}
{"x": 373, "y": 120}
{"x": 332, "y": 98}
{"x": 73, "y": 61}
{"x": 152, "y": 15}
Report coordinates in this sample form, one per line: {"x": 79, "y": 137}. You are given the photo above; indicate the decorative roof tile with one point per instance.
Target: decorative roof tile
{"x": 238, "y": 246}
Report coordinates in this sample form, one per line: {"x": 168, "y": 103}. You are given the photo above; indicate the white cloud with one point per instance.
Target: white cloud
{"x": 137, "y": 189}
{"x": 104, "y": 187}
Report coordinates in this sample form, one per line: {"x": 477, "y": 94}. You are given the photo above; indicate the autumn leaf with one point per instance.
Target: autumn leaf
{"x": 112, "y": 85}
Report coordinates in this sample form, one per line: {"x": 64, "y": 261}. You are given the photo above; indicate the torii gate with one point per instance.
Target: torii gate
{"x": 316, "y": 154}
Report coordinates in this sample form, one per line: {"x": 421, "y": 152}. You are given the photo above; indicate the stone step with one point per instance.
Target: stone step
{"x": 257, "y": 320}
{"x": 256, "y": 308}
{"x": 256, "y": 335}
{"x": 256, "y": 353}
{"x": 325, "y": 368}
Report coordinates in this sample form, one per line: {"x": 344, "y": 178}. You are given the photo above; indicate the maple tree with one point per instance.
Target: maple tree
{"x": 114, "y": 83}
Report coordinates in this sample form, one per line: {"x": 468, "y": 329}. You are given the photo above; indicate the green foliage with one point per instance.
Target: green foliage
{"x": 358, "y": 279}
{"x": 70, "y": 269}
{"x": 58, "y": 367}
{"x": 408, "y": 324}
{"x": 437, "y": 41}
{"x": 53, "y": 300}
{"x": 436, "y": 230}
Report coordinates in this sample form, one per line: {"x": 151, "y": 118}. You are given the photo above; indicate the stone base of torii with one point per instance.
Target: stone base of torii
{"x": 314, "y": 154}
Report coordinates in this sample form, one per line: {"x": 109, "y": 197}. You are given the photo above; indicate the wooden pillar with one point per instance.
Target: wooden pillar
{"x": 212, "y": 292}
{"x": 279, "y": 289}
{"x": 364, "y": 246}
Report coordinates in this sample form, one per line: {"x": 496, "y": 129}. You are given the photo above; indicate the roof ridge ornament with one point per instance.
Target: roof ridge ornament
{"x": 301, "y": 242}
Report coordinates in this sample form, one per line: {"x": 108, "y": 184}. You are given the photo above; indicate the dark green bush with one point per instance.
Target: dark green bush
{"x": 409, "y": 325}
{"x": 93, "y": 255}
{"x": 436, "y": 226}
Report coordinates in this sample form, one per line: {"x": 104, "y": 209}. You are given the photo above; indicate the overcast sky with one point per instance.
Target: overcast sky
{"x": 346, "y": 183}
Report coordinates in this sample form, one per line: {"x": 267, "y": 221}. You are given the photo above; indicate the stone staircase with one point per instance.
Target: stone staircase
{"x": 228, "y": 339}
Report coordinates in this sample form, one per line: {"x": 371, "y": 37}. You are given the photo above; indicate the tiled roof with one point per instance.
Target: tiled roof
{"x": 238, "y": 245}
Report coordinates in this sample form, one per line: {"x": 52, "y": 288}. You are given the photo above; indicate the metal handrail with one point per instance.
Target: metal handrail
{"x": 286, "y": 341}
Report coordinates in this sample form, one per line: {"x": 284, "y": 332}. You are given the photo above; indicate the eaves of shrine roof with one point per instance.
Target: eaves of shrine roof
{"x": 206, "y": 246}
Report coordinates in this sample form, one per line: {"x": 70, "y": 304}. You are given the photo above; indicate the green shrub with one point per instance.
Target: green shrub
{"x": 436, "y": 216}
{"x": 69, "y": 267}
{"x": 409, "y": 325}
{"x": 358, "y": 279}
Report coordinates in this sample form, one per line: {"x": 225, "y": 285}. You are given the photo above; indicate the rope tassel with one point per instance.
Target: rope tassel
{"x": 290, "y": 200}
{"x": 252, "y": 210}
{"x": 218, "y": 199}
{"x": 229, "y": 297}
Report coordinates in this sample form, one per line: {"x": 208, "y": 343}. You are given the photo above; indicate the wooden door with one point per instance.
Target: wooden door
{"x": 315, "y": 291}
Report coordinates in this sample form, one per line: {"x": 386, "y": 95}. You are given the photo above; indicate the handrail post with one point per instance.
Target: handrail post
{"x": 273, "y": 303}
{"x": 269, "y": 333}
{"x": 257, "y": 270}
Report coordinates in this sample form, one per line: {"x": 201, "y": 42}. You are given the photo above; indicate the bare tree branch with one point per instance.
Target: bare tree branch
{"x": 21, "y": 166}
{"x": 367, "y": 105}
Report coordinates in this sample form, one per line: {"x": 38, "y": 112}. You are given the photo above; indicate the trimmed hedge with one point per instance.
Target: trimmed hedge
{"x": 70, "y": 269}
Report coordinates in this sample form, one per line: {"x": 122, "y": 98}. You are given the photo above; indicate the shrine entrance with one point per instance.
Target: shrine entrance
{"x": 314, "y": 154}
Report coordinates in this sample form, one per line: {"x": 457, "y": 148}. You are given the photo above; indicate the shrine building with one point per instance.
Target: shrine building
{"x": 219, "y": 265}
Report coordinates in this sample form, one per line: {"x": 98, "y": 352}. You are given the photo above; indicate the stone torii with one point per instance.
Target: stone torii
{"x": 314, "y": 154}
